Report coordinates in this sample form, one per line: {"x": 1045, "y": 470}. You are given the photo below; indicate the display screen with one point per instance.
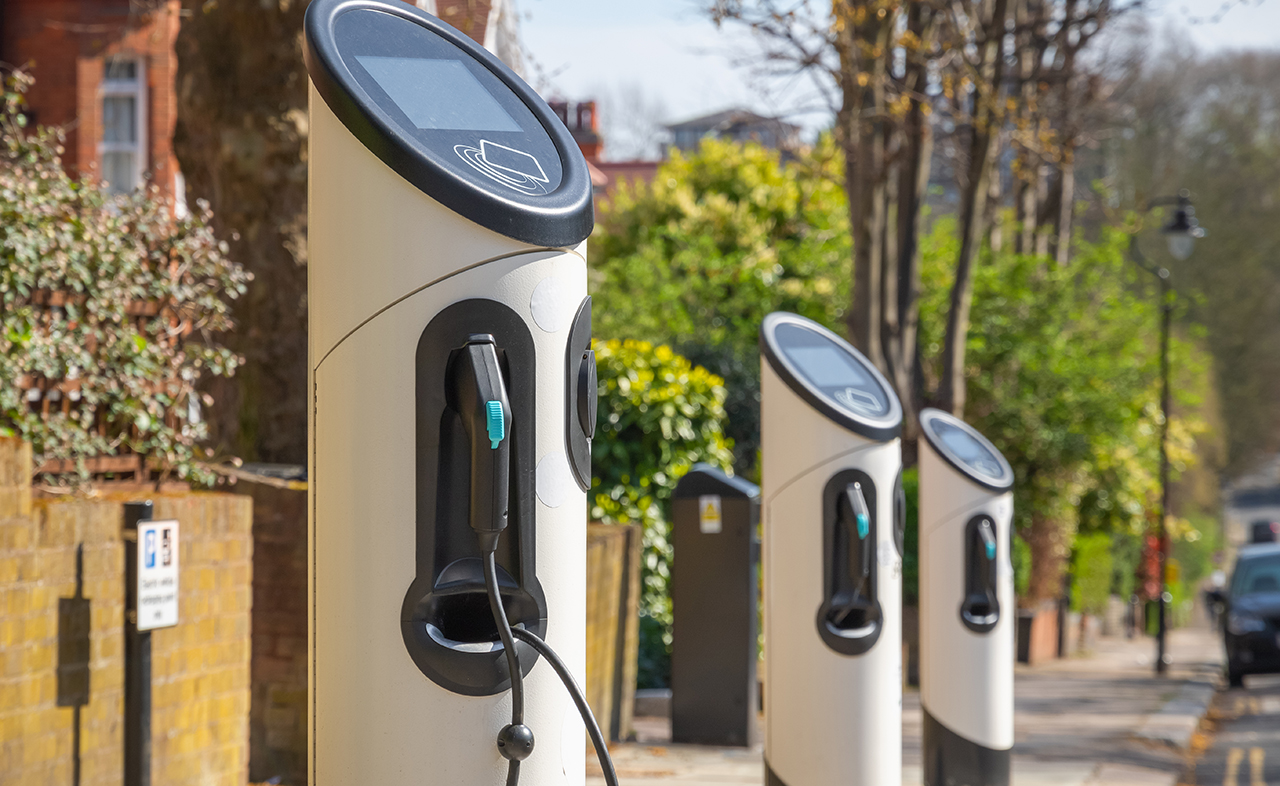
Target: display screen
{"x": 968, "y": 450}
{"x": 828, "y": 367}
{"x": 438, "y": 95}
{"x": 836, "y": 374}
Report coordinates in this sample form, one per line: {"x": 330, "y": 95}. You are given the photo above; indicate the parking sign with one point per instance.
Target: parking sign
{"x": 157, "y": 574}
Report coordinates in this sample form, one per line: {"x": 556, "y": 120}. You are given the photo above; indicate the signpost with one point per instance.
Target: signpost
{"x": 151, "y": 601}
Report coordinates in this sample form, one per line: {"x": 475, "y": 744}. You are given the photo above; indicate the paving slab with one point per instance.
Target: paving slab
{"x": 1102, "y": 720}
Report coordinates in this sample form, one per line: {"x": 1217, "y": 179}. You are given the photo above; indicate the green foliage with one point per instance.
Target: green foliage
{"x": 1126, "y": 558}
{"x": 1021, "y": 559}
{"x": 911, "y": 538}
{"x": 658, "y": 416}
{"x": 1091, "y": 570}
{"x": 1063, "y": 378}
{"x": 110, "y": 297}
{"x": 719, "y": 239}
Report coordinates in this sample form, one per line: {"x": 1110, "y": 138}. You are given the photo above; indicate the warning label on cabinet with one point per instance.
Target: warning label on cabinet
{"x": 157, "y": 574}
{"x": 709, "y": 521}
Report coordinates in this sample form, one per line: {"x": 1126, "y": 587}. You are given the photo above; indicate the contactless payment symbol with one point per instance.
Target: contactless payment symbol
{"x": 859, "y": 401}
{"x": 506, "y": 165}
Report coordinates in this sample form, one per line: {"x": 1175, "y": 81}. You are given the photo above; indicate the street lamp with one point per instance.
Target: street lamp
{"x": 1181, "y": 232}
{"x": 1182, "y": 229}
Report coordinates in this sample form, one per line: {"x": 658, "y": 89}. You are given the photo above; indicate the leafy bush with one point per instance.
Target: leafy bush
{"x": 109, "y": 300}
{"x": 720, "y": 238}
{"x": 658, "y": 416}
{"x": 1091, "y": 571}
{"x": 911, "y": 538}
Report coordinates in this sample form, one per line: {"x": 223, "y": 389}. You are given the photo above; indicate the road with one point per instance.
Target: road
{"x": 1243, "y": 739}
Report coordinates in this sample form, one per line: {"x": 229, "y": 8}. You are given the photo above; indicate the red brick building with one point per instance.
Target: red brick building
{"x": 104, "y": 73}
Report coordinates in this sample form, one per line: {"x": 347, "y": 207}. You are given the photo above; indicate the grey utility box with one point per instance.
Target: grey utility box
{"x": 714, "y": 590}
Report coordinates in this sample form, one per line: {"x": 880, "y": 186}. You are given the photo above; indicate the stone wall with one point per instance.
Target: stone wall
{"x": 200, "y": 668}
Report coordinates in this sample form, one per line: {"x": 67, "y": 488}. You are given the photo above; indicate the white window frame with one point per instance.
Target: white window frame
{"x": 137, "y": 89}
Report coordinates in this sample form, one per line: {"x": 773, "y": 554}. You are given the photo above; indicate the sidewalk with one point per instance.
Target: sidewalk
{"x": 1103, "y": 720}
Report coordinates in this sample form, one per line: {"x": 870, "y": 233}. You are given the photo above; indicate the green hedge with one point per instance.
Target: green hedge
{"x": 658, "y": 416}
{"x": 1091, "y": 571}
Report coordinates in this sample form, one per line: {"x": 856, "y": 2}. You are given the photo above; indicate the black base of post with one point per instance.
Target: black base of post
{"x": 951, "y": 759}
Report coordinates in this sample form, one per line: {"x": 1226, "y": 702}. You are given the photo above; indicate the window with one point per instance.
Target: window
{"x": 122, "y": 148}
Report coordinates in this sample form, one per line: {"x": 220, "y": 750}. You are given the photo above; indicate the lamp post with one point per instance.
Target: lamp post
{"x": 1181, "y": 233}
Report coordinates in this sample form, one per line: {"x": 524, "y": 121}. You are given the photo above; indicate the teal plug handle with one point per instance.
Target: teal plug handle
{"x": 991, "y": 550}
{"x": 497, "y": 426}
{"x": 864, "y": 526}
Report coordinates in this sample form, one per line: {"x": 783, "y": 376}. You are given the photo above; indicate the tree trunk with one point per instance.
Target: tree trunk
{"x": 863, "y": 48}
{"x": 915, "y": 154}
{"x": 1066, "y": 203}
{"x": 240, "y": 138}
{"x": 986, "y": 126}
{"x": 1050, "y": 543}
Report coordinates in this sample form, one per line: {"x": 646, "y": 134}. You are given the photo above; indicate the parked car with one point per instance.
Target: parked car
{"x": 1251, "y": 622}
{"x": 1264, "y": 531}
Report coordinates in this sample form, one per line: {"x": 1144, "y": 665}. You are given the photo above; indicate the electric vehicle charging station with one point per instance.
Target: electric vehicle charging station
{"x": 967, "y": 609}
{"x": 453, "y": 404}
{"x": 832, "y": 549}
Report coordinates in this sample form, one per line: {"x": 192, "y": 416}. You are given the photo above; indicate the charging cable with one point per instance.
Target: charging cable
{"x": 515, "y": 741}
{"x": 479, "y": 395}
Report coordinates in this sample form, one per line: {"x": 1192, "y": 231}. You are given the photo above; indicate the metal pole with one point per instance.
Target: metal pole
{"x": 1166, "y": 311}
{"x": 75, "y": 710}
{"x": 137, "y": 659}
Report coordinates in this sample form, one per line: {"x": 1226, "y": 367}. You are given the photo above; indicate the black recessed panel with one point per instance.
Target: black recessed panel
{"x": 450, "y": 118}
{"x": 831, "y": 375}
{"x": 965, "y": 449}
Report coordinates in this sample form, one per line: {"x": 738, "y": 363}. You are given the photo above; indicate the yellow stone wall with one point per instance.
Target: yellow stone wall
{"x": 200, "y": 668}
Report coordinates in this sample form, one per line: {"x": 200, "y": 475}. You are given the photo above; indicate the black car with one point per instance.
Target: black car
{"x": 1251, "y": 625}
{"x": 1264, "y": 531}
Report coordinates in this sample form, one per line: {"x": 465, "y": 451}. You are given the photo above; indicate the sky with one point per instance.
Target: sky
{"x": 663, "y": 60}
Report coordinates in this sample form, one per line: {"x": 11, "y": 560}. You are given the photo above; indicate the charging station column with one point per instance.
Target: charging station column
{"x": 967, "y": 609}
{"x": 832, "y": 551}
{"x": 453, "y": 402}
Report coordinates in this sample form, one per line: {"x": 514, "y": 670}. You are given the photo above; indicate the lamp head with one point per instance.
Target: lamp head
{"x": 1183, "y": 230}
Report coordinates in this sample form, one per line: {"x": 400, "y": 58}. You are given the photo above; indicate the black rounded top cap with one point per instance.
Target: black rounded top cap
{"x": 832, "y": 376}
{"x": 969, "y": 452}
{"x": 450, "y": 118}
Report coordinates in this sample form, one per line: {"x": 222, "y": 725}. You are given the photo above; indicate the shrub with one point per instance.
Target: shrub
{"x": 108, "y": 300}
{"x": 721, "y": 237}
{"x": 1091, "y": 570}
{"x": 658, "y": 416}
{"x": 911, "y": 538}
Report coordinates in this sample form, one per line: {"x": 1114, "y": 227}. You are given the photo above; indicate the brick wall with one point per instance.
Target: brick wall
{"x": 65, "y": 42}
{"x": 278, "y": 715}
{"x": 200, "y": 668}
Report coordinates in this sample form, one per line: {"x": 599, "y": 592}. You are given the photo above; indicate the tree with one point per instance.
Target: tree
{"x": 719, "y": 239}
{"x": 885, "y": 68}
{"x": 1068, "y": 388}
{"x": 241, "y": 139}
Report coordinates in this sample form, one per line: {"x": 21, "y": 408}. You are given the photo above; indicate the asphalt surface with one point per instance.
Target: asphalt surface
{"x": 1241, "y": 745}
